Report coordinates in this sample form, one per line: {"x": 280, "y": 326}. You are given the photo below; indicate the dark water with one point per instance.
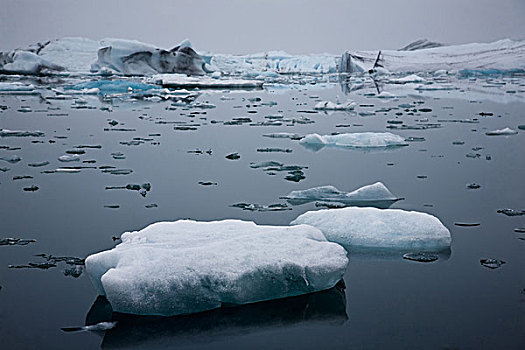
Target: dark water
{"x": 388, "y": 302}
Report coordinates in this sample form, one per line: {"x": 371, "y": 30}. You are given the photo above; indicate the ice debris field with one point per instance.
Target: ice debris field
{"x": 188, "y": 266}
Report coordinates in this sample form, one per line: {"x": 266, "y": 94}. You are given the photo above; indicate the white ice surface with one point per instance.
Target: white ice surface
{"x": 374, "y": 192}
{"x": 78, "y": 54}
{"x": 502, "y": 132}
{"x": 355, "y": 140}
{"x": 378, "y": 229}
{"x": 334, "y": 106}
{"x": 181, "y": 267}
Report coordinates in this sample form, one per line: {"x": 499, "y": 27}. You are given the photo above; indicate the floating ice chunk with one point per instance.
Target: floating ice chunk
{"x": 355, "y": 140}
{"x": 371, "y": 228}
{"x": 20, "y": 133}
{"x": 332, "y": 106}
{"x": 182, "y": 267}
{"x": 374, "y": 195}
{"x": 11, "y": 159}
{"x": 102, "y": 326}
{"x": 502, "y": 132}
{"x": 69, "y": 158}
{"x": 16, "y": 88}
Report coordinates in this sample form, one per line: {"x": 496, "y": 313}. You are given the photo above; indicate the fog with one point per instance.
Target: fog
{"x": 241, "y": 26}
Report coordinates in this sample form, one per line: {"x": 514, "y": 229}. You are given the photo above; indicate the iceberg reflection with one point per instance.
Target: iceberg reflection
{"x": 156, "y": 331}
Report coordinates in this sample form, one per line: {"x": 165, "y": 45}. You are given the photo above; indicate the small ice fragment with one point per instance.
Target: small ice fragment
{"x": 420, "y": 257}
{"x": 503, "y": 132}
{"x": 233, "y": 156}
{"x": 511, "y": 212}
{"x": 66, "y": 158}
{"x": 11, "y": 159}
{"x": 491, "y": 263}
{"x": 102, "y": 326}
{"x": 265, "y": 164}
{"x": 16, "y": 241}
{"x": 270, "y": 149}
{"x": 260, "y": 207}
{"x": 22, "y": 177}
{"x": 467, "y": 224}
{"x": 20, "y": 133}
{"x": 38, "y": 164}
{"x": 73, "y": 271}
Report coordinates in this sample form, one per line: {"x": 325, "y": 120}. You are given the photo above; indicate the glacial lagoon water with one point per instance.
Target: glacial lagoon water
{"x": 386, "y": 301}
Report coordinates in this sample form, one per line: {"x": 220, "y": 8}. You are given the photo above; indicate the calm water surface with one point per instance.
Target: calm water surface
{"x": 388, "y": 302}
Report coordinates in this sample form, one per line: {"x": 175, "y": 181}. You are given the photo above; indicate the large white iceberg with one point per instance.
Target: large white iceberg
{"x": 374, "y": 195}
{"x": 182, "y": 267}
{"x": 379, "y": 229}
{"x": 80, "y": 55}
{"x": 496, "y": 57}
{"x": 355, "y": 140}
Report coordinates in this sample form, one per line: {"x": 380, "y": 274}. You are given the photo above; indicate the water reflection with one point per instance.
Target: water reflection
{"x": 155, "y": 331}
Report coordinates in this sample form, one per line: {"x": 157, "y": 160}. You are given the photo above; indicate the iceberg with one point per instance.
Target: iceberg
{"x": 374, "y": 195}
{"x": 354, "y": 140}
{"x": 361, "y": 229}
{"x": 183, "y": 267}
{"x": 25, "y": 62}
{"x": 135, "y": 58}
{"x": 500, "y": 56}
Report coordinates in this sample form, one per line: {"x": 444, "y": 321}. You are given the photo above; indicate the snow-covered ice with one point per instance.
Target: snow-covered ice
{"x": 501, "y": 132}
{"x": 374, "y": 195}
{"x": 106, "y": 56}
{"x": 379, "y": 229}
{"x": 355, "y": 140}
{"x": 181, "y": 267}
{"x": 20, "y": 133}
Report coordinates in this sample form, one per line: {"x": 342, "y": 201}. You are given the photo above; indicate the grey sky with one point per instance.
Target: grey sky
{"x": 244, "y": 26}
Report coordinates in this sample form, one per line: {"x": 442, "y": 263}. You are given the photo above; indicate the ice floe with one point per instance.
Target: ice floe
{"x": 354, "y": 140}
{"x": 378, "y": 229}
{"x": 374, "y": 195}
{"x": 183, "y": 267}
{"x": 501, "y": 132}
